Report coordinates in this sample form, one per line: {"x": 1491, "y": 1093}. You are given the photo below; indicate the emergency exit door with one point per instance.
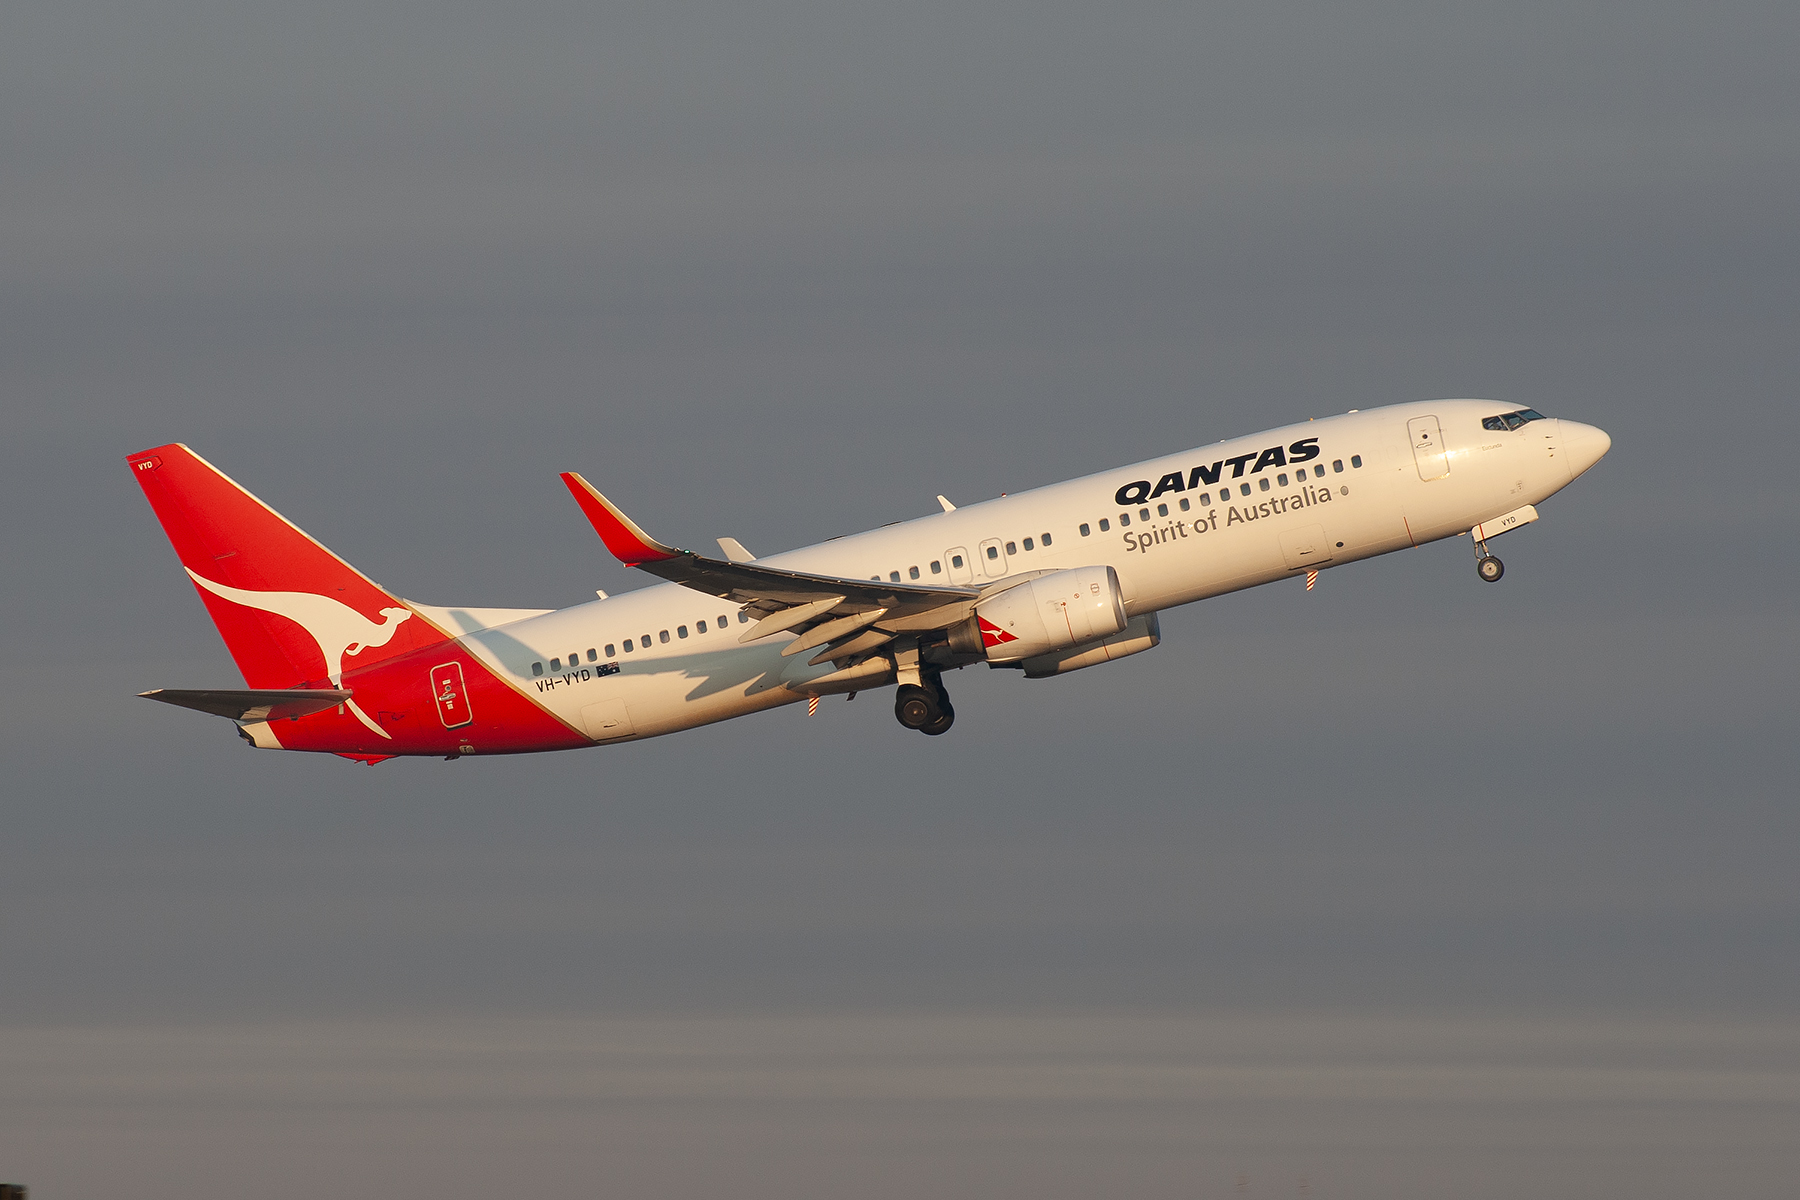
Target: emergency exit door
{"x": 1428, "y": 448}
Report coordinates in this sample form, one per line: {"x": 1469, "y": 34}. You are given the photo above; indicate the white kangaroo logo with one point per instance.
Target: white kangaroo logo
{"x": 337, "y": 628}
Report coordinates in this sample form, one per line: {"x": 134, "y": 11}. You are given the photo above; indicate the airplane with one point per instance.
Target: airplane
{"x": 1045, "y": 582}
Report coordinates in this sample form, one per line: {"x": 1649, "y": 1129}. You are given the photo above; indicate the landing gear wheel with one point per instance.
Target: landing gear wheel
{"x": 946, "y": 717}
{"x": 934, "y": 683}
{"x": 914, "y": 707}
{"x": 1489, "y": 568}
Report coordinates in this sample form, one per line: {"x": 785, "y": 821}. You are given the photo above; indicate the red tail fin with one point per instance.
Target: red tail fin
{"x": 291, "y": 612}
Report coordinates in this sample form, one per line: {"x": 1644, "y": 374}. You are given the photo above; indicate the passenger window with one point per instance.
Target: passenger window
{"x": 1029, "y": 545}
{"x": 1012, "y": 547}
{"x": 1124, "y": 520}
{"x": 893, "y": 577}
{"x": 1085, "y": 531}
{"x": 537, "y": 668}
{"x": 700, "y": 626}
{"x": 723, "y": 622}
{"x": 680, "y": 631}
{"x": 1282, "y": 479}
{"x": 1046, "y": 539}
{"x": 937, "y": 567}
{"x": 1105, "y": 525}
{"x": 1337, "y": 465}
{"x": 609, "y": 650}
{"x": 1205, "y": 500}
{"x": 1319, "y": 471}
{"x": 743, "y": 618}
{"x": 1356, "y": 460}
{"x": 1162, "y": 510}
{"x": 956, "y": 561}
{"x": 1143, "y": 514}
{"x": 556, "y": 664}
{"x": 663, "y": 637}
{"x": 912, "y": 572}
{"x": 993, "y": 551}
{"x": 1244, "y": 488}
{"x": 1184, "y": 504}
{"x": 593, "y": 654}
{"x": 574, "y": 660}
{"x": 1264, "y": 483}
{"x": 628, "y": 645}
{"x": 644, "y": 641}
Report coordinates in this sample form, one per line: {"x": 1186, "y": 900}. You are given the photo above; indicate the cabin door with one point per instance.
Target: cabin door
{"x": 1428, "y": 447}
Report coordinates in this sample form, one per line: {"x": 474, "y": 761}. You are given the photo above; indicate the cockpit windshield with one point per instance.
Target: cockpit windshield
{"x": 1512, "y": 420}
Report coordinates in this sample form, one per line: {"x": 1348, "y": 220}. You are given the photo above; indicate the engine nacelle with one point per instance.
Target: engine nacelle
{"x": 1052, "y": 612}
{"x": 1140, "y": 634}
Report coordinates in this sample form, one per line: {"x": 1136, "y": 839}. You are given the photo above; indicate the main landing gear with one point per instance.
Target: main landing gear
{"x": 924, "y": 706}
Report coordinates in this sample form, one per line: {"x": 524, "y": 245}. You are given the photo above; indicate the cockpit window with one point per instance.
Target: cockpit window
{"x": 1512, "y": 420}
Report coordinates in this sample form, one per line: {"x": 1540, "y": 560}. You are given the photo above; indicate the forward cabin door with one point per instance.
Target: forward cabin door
{"x": 1428, "y": 447}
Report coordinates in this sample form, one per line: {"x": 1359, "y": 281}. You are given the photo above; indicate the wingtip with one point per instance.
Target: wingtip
{"x": 623, "y": 538}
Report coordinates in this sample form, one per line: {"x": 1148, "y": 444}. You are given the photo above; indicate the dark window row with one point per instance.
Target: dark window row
{"x": 956, "y": 560}
{"x": 1206, "y": 498}
{"x": 643, "y": 642}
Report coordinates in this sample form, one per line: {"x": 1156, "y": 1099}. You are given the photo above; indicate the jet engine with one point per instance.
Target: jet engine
{"x": 1042, "y": 615}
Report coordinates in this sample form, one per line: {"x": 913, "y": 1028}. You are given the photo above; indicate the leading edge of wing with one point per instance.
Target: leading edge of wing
{"x": 746, "y": 583}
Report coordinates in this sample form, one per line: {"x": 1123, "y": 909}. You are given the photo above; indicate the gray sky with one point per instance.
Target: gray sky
{"x": 785, "y": 271}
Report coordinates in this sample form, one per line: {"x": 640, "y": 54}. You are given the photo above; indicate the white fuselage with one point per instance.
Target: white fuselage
{"x": 1256, "y": 522}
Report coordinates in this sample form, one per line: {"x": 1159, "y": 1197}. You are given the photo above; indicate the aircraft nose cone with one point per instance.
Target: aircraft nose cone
{"x": 1584, "y": 444}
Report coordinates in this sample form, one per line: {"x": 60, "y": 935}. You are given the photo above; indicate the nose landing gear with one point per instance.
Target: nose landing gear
{"x": 1486, "y": 565}
{"x": 924, "y": 706}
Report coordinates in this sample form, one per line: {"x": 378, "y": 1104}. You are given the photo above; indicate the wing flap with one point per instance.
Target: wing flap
{"x": 786, "y": 618}
{"x": 831, "y": 631}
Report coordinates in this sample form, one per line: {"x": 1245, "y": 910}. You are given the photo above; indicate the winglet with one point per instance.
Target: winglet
{"x": 629, "y": 544}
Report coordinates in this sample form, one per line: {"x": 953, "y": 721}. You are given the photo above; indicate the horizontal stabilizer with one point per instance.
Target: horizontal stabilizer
{"x": 261, "y": 705}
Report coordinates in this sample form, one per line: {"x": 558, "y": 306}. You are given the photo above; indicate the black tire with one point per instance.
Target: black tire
{"x": 914, "y": 707}
{"x": 1489, "y": 568}
{"x": 946, "y": 718}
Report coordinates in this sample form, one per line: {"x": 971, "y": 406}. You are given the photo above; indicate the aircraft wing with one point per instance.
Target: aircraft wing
{"x": 856, "y": 614}
{"x": 259, "y": 705}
